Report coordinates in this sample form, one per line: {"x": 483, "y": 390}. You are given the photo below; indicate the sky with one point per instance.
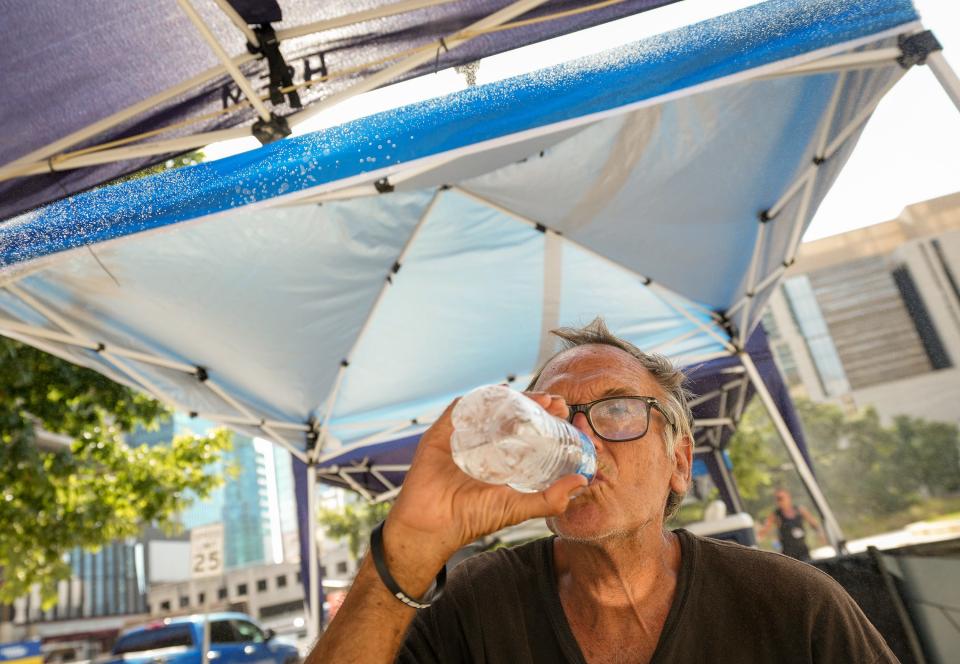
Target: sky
{"x": 909, "y": 150}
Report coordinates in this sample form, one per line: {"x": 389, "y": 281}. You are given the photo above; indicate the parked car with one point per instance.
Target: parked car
{"x": 235, "y": 638}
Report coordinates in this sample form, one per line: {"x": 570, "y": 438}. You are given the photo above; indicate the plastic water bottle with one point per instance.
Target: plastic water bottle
{"x": 503, "y": 437}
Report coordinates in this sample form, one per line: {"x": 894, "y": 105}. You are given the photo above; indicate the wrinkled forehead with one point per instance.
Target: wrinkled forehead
{"x": 588, "y": 372}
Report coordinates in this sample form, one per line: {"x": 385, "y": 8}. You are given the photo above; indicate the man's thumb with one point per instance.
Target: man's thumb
{"x": 557, "y": 497}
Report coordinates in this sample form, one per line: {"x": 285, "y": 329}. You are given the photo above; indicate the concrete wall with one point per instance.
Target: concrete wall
{"x": 932, "y": 396}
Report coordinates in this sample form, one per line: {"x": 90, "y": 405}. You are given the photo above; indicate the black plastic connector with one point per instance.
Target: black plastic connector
{"x": 916, "y": 48}
{"x": 269, "y": 132}
{"x": 281, "y": 74}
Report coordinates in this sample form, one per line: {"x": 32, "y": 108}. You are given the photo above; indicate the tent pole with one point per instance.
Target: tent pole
{"x": 652, "y": 285}
{"x": 172, "y": 145}
{"x": 426, "y": 54}
{"x": 854, "y": 124}
{"x": 832, "y": 527}
{"x": 113, "y": 354}
{"x": 315, "y": 611}
{"x": 359, "y": 17}
{"x": 15, "y": 168}
{"x": 263, "y": 424}
{"x": 946, "y": 76}
{"x": 238, "y": 21}
{"x": 730, "y": 486}
{"x": 331, "y": 399}
{"x": 550, "y": 300}
{"x": 226, "y": 61}
{"x": 750, "y": 284}
{"x": 828, "y": 120}
{"x": 658, "y": 348}
{"x": 877, "y": 57}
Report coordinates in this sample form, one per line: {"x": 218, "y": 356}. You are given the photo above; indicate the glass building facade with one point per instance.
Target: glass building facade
{"x": 241, "y": 503}
{"x": 810, "y": 321}
{"x": 246, "y": 519}
{"x": 103, "y": 583}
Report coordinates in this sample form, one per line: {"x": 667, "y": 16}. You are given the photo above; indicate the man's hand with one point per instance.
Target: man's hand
{"x": 441, "y": 508}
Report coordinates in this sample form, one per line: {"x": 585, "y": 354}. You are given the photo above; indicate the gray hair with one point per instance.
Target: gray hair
{"x": 670, "y": 379}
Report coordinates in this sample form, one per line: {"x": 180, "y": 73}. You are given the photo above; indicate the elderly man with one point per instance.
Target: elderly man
{"x": 612, "y": 585}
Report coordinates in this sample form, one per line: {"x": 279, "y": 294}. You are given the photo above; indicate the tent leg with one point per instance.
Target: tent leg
{"x": 945, "y": 74}
{"x": 834, "y": 533}
{"x": 316, "y": 611}
{"x": 731, "y": 488}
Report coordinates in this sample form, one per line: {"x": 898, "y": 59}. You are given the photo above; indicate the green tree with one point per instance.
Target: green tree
{"x": 186, "y": 159}
{"x": 755, "y": 461}
{"x": 353, "y": 522}
{"x": 929, "y": 455}
{"x": 867, "y": 470}
{"x": 92, "y": 491}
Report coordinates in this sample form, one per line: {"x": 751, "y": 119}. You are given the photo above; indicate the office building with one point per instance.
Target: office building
{"x": 872, "y": 317}
{"x": 249, "y": 501}
{"x": 270, "y": 593}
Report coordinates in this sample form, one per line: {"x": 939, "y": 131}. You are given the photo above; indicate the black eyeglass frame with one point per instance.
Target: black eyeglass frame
{"x": 585, "y": 408}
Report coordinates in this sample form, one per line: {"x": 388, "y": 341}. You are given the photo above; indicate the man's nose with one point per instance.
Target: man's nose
{"x": 580, "y": 422}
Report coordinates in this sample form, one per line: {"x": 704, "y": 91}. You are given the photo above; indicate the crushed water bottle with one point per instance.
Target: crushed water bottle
{"x": 503, "y": 437}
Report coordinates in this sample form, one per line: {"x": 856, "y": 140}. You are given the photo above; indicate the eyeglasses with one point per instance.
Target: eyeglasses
{"x": 619, "y": 419}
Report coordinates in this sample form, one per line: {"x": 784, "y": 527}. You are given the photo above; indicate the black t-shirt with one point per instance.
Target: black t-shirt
{"x": 732, "y": 604}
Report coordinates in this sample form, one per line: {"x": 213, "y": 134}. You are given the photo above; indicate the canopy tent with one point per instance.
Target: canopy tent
{"x": 334, "y": 291}
{"x": 130, "y": 85}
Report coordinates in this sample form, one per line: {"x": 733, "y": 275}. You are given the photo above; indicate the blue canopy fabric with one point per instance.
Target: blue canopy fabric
{"x": 333, "y": 292}
{"x": 62, "y": 74}
{"x": 336, "y": 290}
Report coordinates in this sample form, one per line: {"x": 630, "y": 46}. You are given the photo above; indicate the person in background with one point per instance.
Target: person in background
{"x": 790, "y": 520}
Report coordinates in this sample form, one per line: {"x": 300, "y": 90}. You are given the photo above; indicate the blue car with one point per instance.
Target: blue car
{"x": 234, "y": 639}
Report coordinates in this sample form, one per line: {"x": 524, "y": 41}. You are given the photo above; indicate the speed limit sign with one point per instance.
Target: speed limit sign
{"x": 206, "y": 550}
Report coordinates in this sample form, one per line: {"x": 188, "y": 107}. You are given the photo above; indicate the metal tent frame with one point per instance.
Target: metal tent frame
{"x": 729, "y": 328}
{"x": 57, "y": 157}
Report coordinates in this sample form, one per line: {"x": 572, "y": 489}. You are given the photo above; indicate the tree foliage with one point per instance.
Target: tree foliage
{"x": 867, "y": 469}
{"x": 186, "y": 159}
{"x": 353, "y": 522}
{"x": 94, "y": 491}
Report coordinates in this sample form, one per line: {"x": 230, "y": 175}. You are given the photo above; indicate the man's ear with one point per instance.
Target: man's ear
{"x": 683, "y": 469}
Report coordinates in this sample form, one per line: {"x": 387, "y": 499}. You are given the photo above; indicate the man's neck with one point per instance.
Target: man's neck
{"x": 620, "y": 569}
{"x": 617, "y": 593}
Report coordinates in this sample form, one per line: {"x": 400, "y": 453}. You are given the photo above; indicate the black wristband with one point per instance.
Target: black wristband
{"x": 380, "y": 562}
